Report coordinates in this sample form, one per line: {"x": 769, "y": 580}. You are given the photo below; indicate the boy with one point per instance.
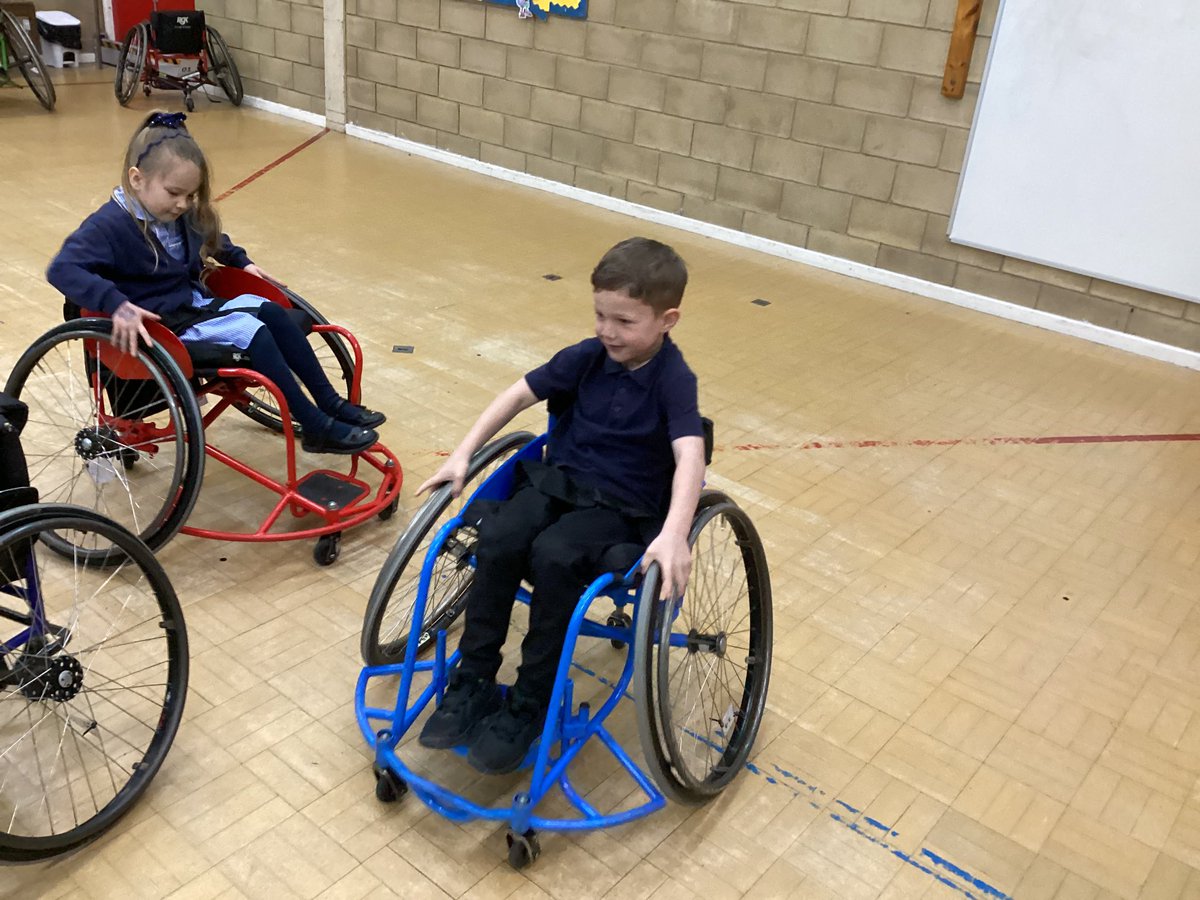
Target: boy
{"x": 624, "y": 465}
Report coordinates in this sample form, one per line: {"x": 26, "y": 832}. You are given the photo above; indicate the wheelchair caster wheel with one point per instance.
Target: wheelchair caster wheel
{"x": 129, "y": 458}
{"x": 619, "y": 620}
{"x": 146, "y": 89}
{"x": 389, "y": 787}
{"x": 523, "y": 849}
{"x": 190, "y": 104}
{"x": 388, "y": 511}
{"x": 328, "y": 548}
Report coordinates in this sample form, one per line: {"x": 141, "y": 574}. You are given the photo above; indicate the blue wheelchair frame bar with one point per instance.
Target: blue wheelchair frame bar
{"x": 570, "y": 729}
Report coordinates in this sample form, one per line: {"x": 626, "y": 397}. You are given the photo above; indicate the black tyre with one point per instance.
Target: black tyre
{"x": 389, "y": 611}
{"x": 703, "y": 662}
{"x": 131, "y": 449}
{"x": 24, "y": 56}
{"x": 335, "y": 357}
{"x": 131, "y": 62}
{"x": 222, "y": 67}
{"x": 93, "y": 677}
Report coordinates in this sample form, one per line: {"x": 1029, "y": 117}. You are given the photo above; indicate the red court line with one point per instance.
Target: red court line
{"x": 954, "y": 442}
{"x": 269, "y": 166}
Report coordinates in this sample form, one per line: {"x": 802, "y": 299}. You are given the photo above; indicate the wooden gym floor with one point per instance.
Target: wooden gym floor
{"x": 984, "y": 541}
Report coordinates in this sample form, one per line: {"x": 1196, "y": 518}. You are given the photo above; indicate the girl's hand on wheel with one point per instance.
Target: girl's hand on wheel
{"x": 263, "y": 274}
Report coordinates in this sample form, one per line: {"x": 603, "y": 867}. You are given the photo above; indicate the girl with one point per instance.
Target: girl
{"x": 140, "y": 258}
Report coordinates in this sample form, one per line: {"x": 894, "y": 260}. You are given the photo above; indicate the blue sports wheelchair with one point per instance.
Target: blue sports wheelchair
{"x": 93, "y": 664}
{"x": 697, "y": 673}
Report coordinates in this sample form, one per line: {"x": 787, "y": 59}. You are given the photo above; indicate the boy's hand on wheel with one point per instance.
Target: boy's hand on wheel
{"x": 452, "y": 472}
{"x": 674, "y": 558}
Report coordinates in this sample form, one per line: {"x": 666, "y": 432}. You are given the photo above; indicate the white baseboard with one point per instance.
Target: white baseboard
{"x": 280, "y": 109}
{"x": 1015, "y": 312}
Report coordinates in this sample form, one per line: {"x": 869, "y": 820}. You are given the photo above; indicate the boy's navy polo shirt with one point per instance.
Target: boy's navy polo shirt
{"x": 615, "y": 426}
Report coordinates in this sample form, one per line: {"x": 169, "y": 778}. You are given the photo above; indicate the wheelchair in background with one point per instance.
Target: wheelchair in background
{"x": 698, "y": 669}
{"x": 176, "y": 51}
{"x": 125, "y": 434}
{"x": 18, "y": 52}
{"x": 93, "y": 666}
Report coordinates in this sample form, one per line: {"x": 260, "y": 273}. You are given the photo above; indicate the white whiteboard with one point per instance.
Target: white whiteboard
{"x": 1085, "y": 150}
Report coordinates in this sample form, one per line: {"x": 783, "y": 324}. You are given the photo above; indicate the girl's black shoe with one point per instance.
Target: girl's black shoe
{"x": 337, "y": 437}
{"x": 353, "y": 414}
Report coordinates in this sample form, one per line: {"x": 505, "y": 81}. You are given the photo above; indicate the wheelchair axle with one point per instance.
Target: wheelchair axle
{"x": 707, "y": 643}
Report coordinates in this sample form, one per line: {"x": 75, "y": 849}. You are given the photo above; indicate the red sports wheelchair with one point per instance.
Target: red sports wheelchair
{"x": 124, "y": 434}
{"x": 177, "y": 38}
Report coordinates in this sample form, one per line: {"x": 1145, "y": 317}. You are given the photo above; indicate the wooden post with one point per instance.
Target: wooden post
{"x": 962, "y": 42}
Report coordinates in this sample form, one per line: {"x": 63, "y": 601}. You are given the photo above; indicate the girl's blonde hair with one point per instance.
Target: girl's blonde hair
{"x": 161, "y": 138}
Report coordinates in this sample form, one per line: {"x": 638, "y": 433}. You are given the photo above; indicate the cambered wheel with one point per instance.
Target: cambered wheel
{"x": 222, "y": 67}
{"x": 389, "y": 787}
{"x": 328, "y": 549}
{"x": 702, "y": 662}
{"x": 390, "y": 609}
{"x": 336, "y": 358}
{"x": 131, "y": 448}
{"x": 523, "y": 849}
{"x": 131, "y": 62}
{"x": 93, "y": 677}
{"x": 23, "y": 55}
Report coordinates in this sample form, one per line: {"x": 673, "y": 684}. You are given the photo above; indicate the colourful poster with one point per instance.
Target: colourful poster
{"x": 575, "y": 9}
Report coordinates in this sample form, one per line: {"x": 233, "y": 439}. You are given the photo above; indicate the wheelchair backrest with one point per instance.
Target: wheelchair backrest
{"x": 178, "y": 31}
{"x": 13, "y": 471}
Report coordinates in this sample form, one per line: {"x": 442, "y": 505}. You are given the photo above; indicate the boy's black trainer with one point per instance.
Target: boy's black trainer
{"x": 505, "y": 736}
{"x": 465, "y": 704}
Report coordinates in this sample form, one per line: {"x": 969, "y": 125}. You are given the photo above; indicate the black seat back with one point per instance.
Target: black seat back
{"x": 178, "y": 31}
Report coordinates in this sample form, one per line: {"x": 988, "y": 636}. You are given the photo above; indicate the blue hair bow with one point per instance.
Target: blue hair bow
{"x": 166, "y": 120}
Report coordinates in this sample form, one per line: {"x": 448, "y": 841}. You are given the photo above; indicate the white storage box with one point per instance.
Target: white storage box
{"x": 60, "y": 33}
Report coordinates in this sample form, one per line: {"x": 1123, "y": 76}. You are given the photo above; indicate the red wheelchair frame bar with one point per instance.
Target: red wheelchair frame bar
{"x": 229, "y": 386}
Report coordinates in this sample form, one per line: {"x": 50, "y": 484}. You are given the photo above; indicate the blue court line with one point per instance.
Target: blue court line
{"x": 801, "y": 788}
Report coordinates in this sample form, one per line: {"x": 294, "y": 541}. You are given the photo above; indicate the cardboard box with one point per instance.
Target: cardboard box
{"x": 26, "y": 14}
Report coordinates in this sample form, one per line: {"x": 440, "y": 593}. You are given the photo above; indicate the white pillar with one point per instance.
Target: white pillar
{"x": 335, "y": 64}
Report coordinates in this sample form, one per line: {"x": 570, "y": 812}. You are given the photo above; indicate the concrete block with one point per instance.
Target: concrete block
{"x": 922, "y": 187}
{"x": 399, "y": 40}
{"x": 582, "y": 77}
{"x": 828, "y": 126}
{"x": 551, "y": 169}
{"x": 434, "y": 112}
{"x": 607, "y": 43}
{"x": 527, "y": 136}
{"x": 610, "y": 120}
{"x": 915, "y": 50}
{"x": 555, "y": 107}
{"x": 292, "y": 47}
{"x": 460, "y": 86}
{"x": 483, "y": 57}
{"x": 728, "y": 146}
{"x": 672, "y": 55}
{"x": 396, "y": 102}
{"x": 886, "y": 223}
{"x": 760, "y": 113}
{"x": 502, "y": 156}
{"x": 710, "y": 211}
{"x": 566, "y": 37}
{"x": 416, "y": 76}
{"x": 775, "y": 229}
{"x": 800, "y": 77}
{"x": 422, "y": 13}
{"x": 502, "y": 25}
{"x": 696, "y": 100}
{"x": 630, "y": 161}
{"x": 662, "y": 132}
{"x": 996, "y": 284}
{"x": 481, "y": 124}
{"x": 853, "y": 173}
{"x": 789, "y": 160}
{"x": 843, "y": 246}
{"x": 508, "y": 97}
{"x": 734, "y": 66}
{"x": 772, "y": 29}
{"x": 902, "y": 12}
{"x": 692, "y": 177}
{"x": 1071, "y": 281}
{"x": 875, "y": 90}
{"x": 918, "y": 265}
{"x": 642, "y": 16}
{"x": 641, "y": 90}
{"x": 463, "y": 17}
{"x": 531, "y": 66}
{"x": 577, "y": 148}
{"x": 438, "y": 48}
{"x": 749, "y": 190}
{"x": 654, "y": 197}
{"x": 360, "y": 32}
{"x": 904, "y": 140}
{"x": 710, "y": 20}
{"x": 1120, "y": 293}
{"x": 815, "y": 206}
{"x": 600, "y": 183}
{"x": 379, "y": 67}
{"x": 1165, "y": 329}
{"x": 846, "y": 40}
{"x": 1085, "y": 307}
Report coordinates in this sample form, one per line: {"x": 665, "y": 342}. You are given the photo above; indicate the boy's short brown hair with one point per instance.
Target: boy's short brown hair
{"x": 646, "y": 269}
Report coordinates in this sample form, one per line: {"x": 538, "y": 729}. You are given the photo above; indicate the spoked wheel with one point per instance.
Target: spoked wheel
{"x": 390, "y": 609}
{"x": 335, "y": 358}
{"x": 93, "y": 676}
{"x": 24, "y": 56}
{"x": 222, "y": 66}
{"x": 131, "y": 62}
{"x": 131, "y": 448}
{"x": 702, "y": 662}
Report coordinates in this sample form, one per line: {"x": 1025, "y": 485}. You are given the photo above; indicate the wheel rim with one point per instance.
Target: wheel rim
{"x": 224, "y": 67}
{"x": 27, "y": 59}
{"x": 90, "y": 702}
{"x": 712, "y": 657}
{"x": 130, "y": 63}
{"x": 390, "y": 610}
{"x": 108, "y": 444}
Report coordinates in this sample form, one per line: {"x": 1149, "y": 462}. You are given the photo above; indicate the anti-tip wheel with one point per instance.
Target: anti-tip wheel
{"x": 523, "y": 849}
{"x": 389, "y": 787}
{"x": 328, "y": 548}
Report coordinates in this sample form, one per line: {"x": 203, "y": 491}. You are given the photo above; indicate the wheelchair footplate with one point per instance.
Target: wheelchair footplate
{"x": 331, "y": 490}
